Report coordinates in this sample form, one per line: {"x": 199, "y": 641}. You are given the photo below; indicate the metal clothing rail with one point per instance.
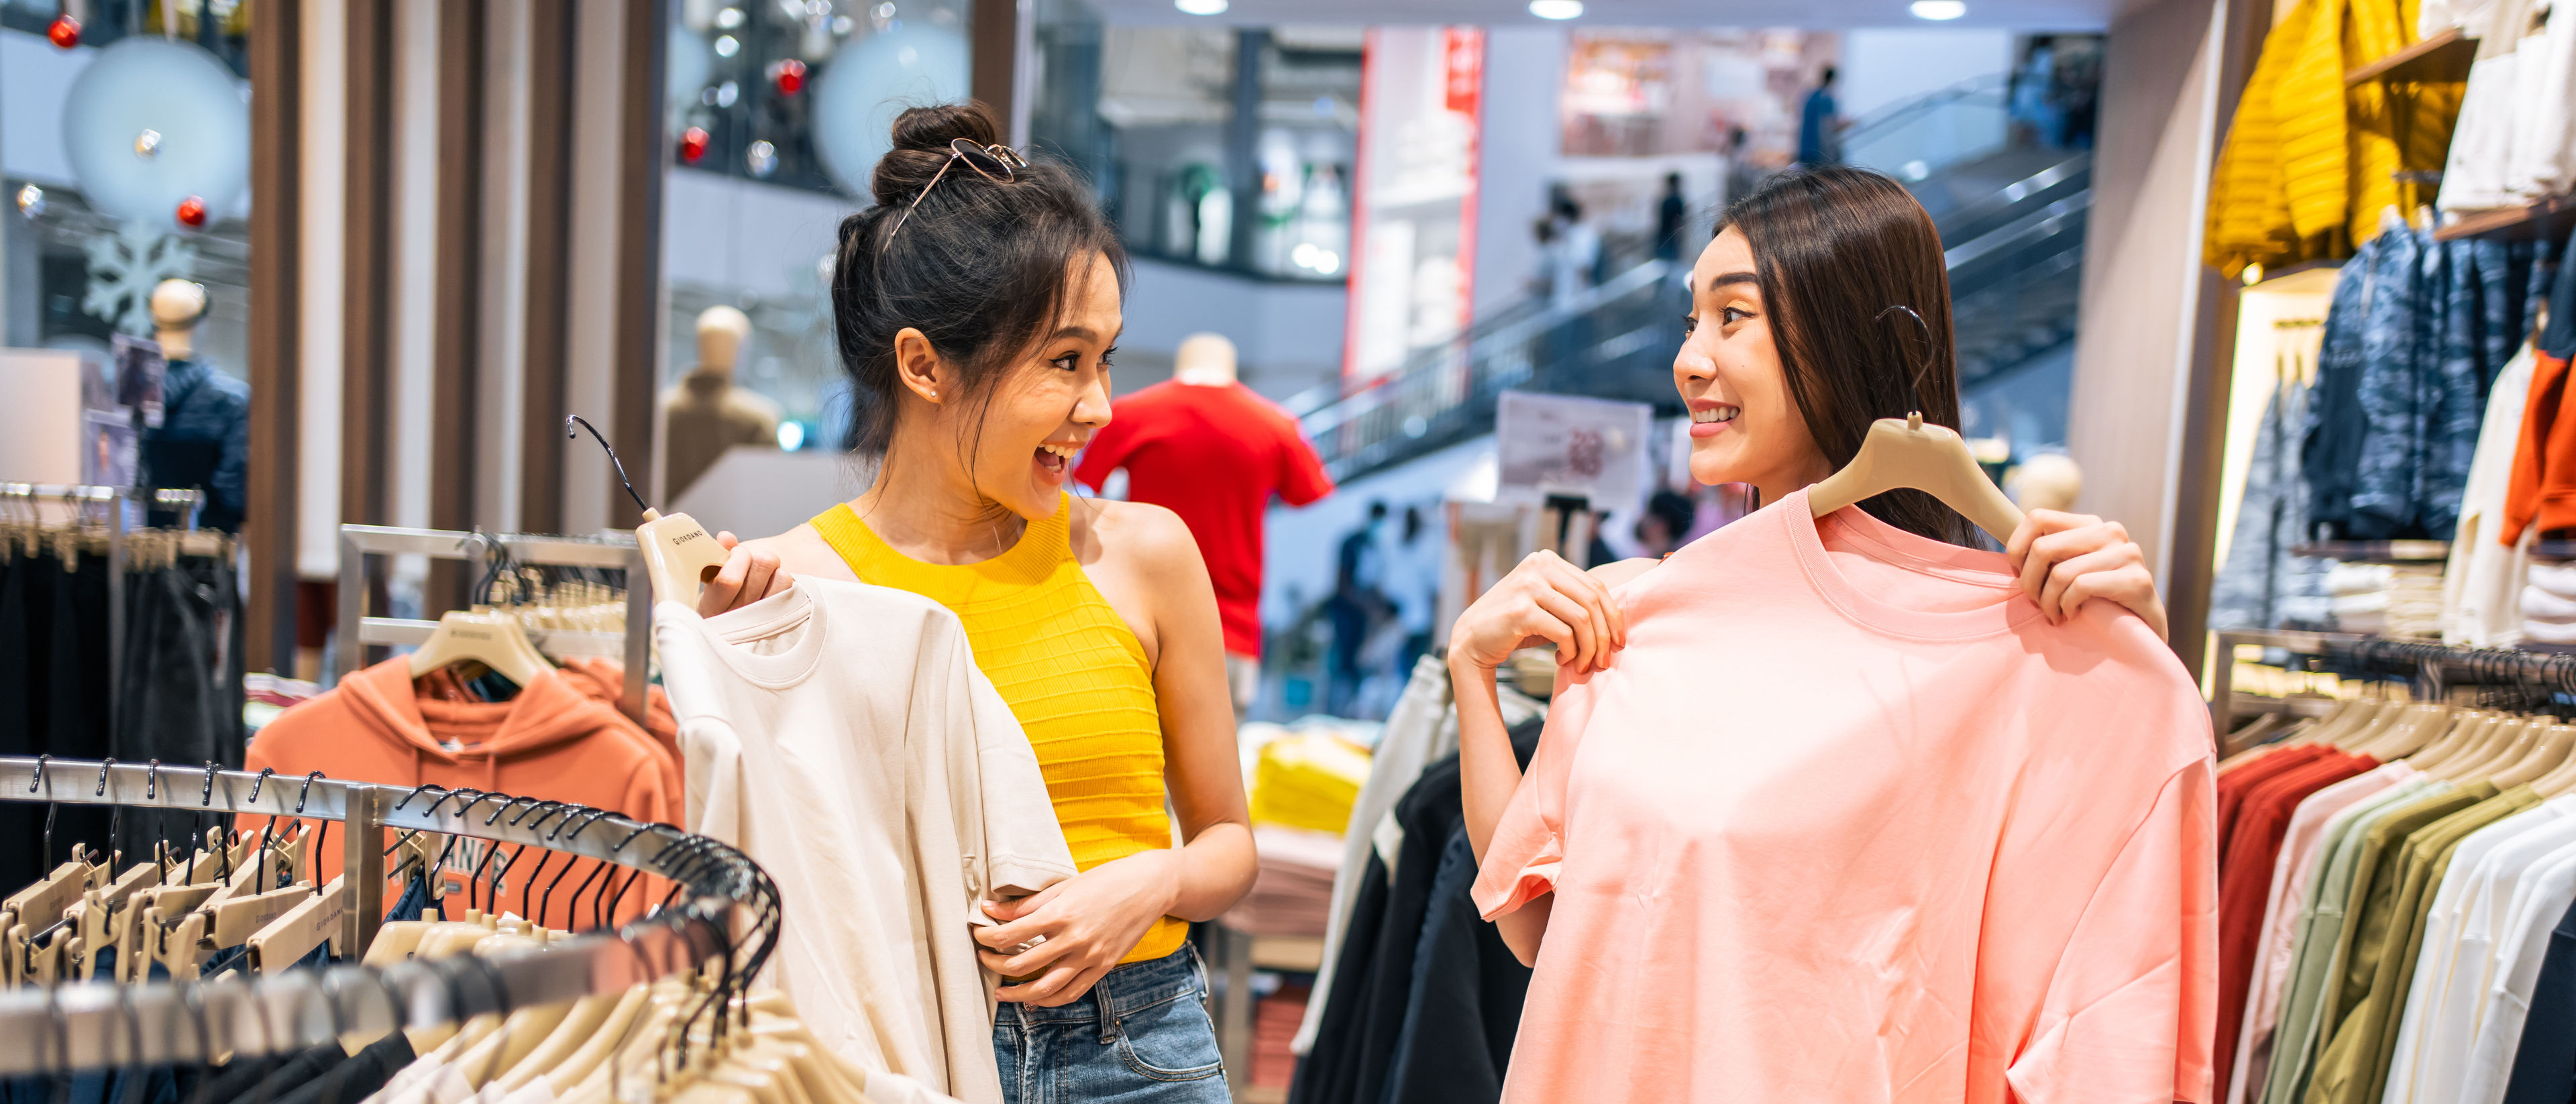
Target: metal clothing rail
{"x": 728, "y": 901}
{"x": 616, "y": 551}
{"x": 117, "y": 529}
{"x": 2433, "y": 667}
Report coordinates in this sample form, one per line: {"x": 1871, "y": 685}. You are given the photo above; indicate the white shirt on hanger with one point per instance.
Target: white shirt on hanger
{"x": 841, "y": 735}
{"x": 2540, "y": 898}
{"x": 2429, "y": 1048}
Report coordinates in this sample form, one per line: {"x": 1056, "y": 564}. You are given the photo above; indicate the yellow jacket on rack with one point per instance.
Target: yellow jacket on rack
{"x": 2310, "y": 162}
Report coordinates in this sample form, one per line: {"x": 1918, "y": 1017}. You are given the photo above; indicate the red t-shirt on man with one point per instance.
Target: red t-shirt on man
{"x": 1213, "y": 455}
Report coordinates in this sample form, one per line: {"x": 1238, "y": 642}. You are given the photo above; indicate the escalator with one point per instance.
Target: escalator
{"x": 2012, "y": 224}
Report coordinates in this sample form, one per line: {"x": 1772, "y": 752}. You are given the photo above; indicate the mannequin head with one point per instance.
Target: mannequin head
{"x": 177, "y": 307}
{"x": 2048, "y": 481}
{"x": 1205, "y": 360}
{"x": 1793, "y": 349}
{"x": 721, "y": 333}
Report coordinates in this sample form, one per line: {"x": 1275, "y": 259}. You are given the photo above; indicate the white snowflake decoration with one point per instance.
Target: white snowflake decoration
{"x": 125, "y": 266}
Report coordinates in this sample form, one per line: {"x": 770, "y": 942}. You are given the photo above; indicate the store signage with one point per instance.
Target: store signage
{"x": 1413, "y": 224}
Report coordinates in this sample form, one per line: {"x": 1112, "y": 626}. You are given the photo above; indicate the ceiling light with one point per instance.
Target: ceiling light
{"x": 1556, "y": 9}
{"x": 1200, "y": 7}
{"x": 1939, "y": 9}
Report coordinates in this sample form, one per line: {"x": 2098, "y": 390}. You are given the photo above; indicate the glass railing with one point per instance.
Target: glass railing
{"x": 1920, "y": 137}
{"x": 2012, "y": 285}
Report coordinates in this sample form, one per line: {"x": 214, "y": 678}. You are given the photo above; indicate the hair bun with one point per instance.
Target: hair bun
{"x": 921, "y": 138}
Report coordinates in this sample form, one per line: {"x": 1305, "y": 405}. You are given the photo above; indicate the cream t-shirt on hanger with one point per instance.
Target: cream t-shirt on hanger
{"x": 841, "y": 735}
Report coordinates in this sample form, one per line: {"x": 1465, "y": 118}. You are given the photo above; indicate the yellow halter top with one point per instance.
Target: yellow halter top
{"x": 1072, "y": 673}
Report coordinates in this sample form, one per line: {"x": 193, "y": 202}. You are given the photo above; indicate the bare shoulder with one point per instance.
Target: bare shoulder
{"x": 1619, "y": 571}
{"x": 1132, "y": 536}
{"x": 802, "y": 551}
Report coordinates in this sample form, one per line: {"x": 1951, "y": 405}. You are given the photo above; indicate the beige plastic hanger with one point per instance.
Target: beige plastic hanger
{"x": 1928, "y": 458}
{"x": 2505, "y": 744}
{"x": 2538, "y": 753}
{"x": 577, "y": 1027}
{"x": 2561, "y": 779}
{"x": 1909, "y": 454}
{"x": 2353, "y": 715}
{"x": 2415, "y": 728}
{"x": 2446, "y": 747}
{"x": 2373, "y": 730}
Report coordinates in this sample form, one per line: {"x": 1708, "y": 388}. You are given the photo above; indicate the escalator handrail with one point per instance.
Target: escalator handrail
{"x": 1474, "y": 351}
{"x": 2010, "y": 194}
{"x": 2035, "y": 224}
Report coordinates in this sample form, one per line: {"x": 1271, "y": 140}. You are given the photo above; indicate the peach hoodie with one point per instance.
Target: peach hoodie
{"x": 554, "y": 741}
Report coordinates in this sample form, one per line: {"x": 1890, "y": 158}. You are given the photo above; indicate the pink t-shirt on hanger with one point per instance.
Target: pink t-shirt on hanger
{"x": 1849, "y": 821}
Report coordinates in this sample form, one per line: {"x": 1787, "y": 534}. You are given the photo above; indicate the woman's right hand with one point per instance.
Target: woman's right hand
{"x": 1543, "y": 600}
{"x": 749, "y": 574}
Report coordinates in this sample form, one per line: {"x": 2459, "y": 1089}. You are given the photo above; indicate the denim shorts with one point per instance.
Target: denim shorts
{"x": 1141, "y": 1035}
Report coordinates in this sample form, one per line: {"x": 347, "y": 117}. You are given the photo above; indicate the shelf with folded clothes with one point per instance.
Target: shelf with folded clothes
{"x": 2548, "y": 218}
{"x": 2376, "y": 551}
{"x": 2440, "y": 58}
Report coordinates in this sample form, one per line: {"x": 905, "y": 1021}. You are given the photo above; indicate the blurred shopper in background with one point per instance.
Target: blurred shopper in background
{"x": 1359, "y": 603}
{"x": 1820, "y": 125}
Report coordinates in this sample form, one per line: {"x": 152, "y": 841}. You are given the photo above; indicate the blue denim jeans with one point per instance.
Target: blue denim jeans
{"x": 1141, "y": 1035}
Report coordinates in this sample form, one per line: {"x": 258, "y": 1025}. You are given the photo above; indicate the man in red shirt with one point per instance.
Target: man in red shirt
{"x": 1211, "y": 450}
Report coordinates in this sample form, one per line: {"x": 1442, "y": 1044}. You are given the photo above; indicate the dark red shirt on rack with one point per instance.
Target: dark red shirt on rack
{"x": 2245, "y": 873}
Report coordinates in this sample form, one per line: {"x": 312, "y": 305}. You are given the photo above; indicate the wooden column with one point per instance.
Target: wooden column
{"x": 457, "y": 340}
{"x": 2201, "y": 472}
{"x": 545, "y": 332}
{"x": 367, "y": 308}
{"x": 276, "y": 375}
{"x": 643, "y": 159}
{"x": 993, "y": 43}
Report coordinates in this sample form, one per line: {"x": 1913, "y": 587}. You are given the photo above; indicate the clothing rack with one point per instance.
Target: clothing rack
{"x": 95, "y": 1025}
{"x": 615, "y": 550}
{"x": 119, "y": 524}
{"x": 2433, "y": 667}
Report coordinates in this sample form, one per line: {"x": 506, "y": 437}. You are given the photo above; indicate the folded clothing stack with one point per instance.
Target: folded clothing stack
{"x": 1293, "y": 893}
{"x": 2549, "y": 603}
{"x": 2388, "y": 599}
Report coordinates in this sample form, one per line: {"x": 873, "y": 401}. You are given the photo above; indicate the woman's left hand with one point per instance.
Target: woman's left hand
{"x": 1090, "y": 921}
{"x": 2065, "y": 559}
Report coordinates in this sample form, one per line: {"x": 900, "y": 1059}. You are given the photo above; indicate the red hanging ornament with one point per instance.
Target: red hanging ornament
{"x": 192, "y": 212}
{"x": 64, "y": 31}
{"x": 790, "y": 75}
{"x": 693, "y": 145}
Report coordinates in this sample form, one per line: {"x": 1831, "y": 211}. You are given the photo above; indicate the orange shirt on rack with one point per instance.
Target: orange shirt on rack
{"x": 2543, "y": 490}
{"x": 553, "y": 741}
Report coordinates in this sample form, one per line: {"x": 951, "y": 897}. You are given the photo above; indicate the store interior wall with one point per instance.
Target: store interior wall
{"x": 1288, "y": 335}
{"x": 1883, "y": 66}
{"x": 2142, "y": 270}
{"x": 1521, "y": 144}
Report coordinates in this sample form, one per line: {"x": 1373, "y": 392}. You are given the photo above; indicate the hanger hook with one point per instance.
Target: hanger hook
{"x": 1914, "y": 380}
{"x": 570, "y": 420}
{"x": 206, "y": 798}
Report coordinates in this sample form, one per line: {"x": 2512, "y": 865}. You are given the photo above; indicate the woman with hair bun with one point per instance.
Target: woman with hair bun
{"x": 977, "y": 307}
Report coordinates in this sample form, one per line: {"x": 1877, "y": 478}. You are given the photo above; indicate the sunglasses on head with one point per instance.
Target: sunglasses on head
{"x": 997, "y": 163}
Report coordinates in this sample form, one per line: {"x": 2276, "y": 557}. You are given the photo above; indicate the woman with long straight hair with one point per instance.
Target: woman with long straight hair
{"x": 977, "y": 306}
{"x": 1739, "y": 879}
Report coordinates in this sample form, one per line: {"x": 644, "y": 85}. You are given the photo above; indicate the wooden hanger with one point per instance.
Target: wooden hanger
{"x": 1909, "y": 454}
{"x": 479, "y": 635}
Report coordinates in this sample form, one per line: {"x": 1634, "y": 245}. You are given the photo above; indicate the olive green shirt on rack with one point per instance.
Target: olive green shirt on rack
{"x": 2354, "y": 1067}
{"x": 2320, "y": 940}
